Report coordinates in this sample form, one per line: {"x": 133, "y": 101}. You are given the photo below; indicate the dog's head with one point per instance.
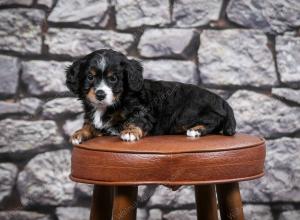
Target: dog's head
{"x": 102, "y": 76}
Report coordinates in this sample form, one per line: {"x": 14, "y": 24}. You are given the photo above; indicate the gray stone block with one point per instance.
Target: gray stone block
{"x": 45, "y": 180}
{"x": 282, "y": 174}
{"x": 73, "y": 125}
{"x": 84, "y": 190}
{"x": 9, "y": 107}
{"x": 290, "y": 215}
{"x": 9, "y": 74}
{"x": 132, "y": 14}
{"x": 155, "y": 214}
{"x": 165, "y": 197}
{"x": 181, "y": 214}
{"x": 62, "y": 107}
{"x": 8, "y": 174}
{"x": 145, "y": 192}
{"x": 222, "y": 93}
{"x": 25, "y": 34}
{"x": 89, "y": 12}
{"x": 18, "y": 137}
{"x": 191, "y": 13}
{"x": 23, "y": 215}
{"x": 18, "y": 2}
{"x": 47, "y": 3}
{"x": 287, "y": 94}
{"x": 171, "y": 70}
{"x": 236, "y": 57}
{"x": 141, "y": 214}
{"x": 45, "y": 77}
{"x": 169, "y": 42}
{"x": 72, "y": 213}
{"x": 288, "y": 58}
{"x": 260, "y": 114}
{"x": 30, "y": 105}
{"x": 79, "y": 42}
{"x": 272, "y": 16}
{"x": 24, "y": 106}
{"x": 257, "y": 212}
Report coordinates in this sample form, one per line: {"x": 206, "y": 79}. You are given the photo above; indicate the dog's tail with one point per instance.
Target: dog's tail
{"x": 229, "y": 122}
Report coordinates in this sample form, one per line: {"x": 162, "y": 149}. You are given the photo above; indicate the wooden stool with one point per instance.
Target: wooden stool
{"x": 215, "y": 161}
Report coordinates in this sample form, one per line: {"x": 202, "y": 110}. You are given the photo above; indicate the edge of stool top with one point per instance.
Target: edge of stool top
{"x": 167, "y": 144}
{"x": 169, "y": 160}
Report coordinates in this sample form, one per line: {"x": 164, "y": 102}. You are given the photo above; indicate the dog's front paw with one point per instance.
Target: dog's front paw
{"x": 81, "y": 135}
{"x": 76, "y": 138}
{"x": 131, "y": 133}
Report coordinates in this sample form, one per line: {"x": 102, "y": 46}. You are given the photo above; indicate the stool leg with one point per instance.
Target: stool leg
{"x": 102, "y": 203}
{"x": 206, "y": 202}
{"x": 231, "y": 207}
{"x": 125, "y": 203}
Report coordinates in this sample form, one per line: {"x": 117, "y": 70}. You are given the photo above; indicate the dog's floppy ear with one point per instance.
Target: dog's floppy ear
{"x": 134, "y": 74}
{"x": 72, "y": 76}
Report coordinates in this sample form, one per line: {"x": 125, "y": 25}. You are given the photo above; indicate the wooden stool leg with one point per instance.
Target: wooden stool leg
{"x": 206, "y": 202}
{"x": 102, "y": 203}
{"x": 125, "y": 203}
{"x": 230, "y": 203}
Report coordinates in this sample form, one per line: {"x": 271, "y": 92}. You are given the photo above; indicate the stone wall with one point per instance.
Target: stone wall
{"x": 246, "y": 51}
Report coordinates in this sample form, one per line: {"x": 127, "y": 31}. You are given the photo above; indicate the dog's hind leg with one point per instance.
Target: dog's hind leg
{"x": 196, "y": 131}
{"x": 205, "y": 126}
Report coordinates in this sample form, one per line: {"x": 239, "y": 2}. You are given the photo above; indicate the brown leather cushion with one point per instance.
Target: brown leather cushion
{"x": 169, "y": 160}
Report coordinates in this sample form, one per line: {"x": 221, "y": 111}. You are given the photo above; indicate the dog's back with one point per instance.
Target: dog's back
{"x": 177, "y": 105}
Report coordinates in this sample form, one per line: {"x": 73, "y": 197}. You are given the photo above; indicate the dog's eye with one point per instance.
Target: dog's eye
{"x": 90, "y": 77}
{"x": 112, "y": 79}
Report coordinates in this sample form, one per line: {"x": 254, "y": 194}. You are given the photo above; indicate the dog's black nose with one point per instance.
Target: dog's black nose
{"x": 100, "y": 95}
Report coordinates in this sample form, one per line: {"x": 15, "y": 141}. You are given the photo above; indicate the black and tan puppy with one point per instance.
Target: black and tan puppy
{"x": 118, "y": 101}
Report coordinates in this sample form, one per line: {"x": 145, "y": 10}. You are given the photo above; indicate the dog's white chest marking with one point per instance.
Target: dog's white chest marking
{"x": 97, "y": 119}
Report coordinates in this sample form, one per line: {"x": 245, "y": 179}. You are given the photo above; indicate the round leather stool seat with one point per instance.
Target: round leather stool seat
{"x": 214, "y": 164}
{"x": 169, "y": 160}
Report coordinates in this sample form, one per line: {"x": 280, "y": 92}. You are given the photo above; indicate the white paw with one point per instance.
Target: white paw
{"x": 128, "y": 137}
{"x": 193, "y": 133}
{"x": 75, "y": 140}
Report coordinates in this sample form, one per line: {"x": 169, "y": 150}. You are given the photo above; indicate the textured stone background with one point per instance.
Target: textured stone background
{"x": 248, "y": 51}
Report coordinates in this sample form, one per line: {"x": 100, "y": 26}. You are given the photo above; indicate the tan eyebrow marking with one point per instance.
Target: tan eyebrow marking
{"x": 110, "y": 73}
{"x": 93, "y": 71}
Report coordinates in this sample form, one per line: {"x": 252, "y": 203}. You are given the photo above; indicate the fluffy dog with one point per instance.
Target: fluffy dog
{"x": 118, "y": 101}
